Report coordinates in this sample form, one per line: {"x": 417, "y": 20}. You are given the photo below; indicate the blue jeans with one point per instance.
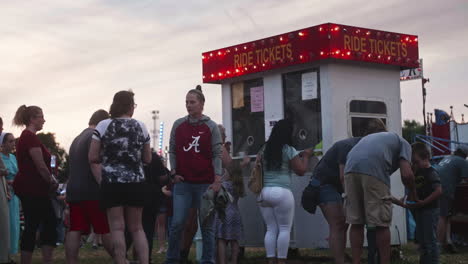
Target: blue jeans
{"x": 426, "y": 228}
{"x": 186, "y": 196}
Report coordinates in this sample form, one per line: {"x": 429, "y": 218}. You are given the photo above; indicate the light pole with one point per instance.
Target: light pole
{"x": 155, "y": 131}
{"x": 423, "y": 82}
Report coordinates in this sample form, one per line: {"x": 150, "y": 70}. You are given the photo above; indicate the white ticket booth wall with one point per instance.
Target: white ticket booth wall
{"x": 330, "y": 80}
{"x": 348, "y": 95}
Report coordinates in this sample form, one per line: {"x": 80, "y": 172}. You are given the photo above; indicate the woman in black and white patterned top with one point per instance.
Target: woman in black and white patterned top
{"x": 118, "y": 149}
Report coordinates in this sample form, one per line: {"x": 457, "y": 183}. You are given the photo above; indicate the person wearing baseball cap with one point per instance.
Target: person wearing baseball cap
{"x": 452, "y": 169}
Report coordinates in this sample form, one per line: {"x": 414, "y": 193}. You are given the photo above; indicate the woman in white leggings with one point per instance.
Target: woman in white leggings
{"x": 280, "y": 159}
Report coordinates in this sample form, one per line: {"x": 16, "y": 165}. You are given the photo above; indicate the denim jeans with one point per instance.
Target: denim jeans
{"x": 186, "y": 196}
{"x": 426, "y": 228}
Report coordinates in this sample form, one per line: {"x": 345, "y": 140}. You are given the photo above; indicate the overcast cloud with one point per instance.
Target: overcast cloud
{"x": 70, "y": 57}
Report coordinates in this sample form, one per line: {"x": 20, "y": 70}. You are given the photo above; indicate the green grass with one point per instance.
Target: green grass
{"x": 256, "y": 255}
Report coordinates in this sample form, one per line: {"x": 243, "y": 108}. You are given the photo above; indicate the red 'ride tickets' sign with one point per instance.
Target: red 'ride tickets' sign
{"x": 326, "y": 41}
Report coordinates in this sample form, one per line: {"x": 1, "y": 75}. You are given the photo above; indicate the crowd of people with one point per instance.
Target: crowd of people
{"x": 353, "y": 188}
{"x": 121, "y": 191}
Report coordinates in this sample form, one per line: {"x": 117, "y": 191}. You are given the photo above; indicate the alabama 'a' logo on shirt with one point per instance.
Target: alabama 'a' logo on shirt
{"x": 194, "y": 144}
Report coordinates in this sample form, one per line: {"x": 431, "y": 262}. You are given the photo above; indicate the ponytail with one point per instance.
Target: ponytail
{"x": 24, "y": 114}
{"x": 199, "y": 93}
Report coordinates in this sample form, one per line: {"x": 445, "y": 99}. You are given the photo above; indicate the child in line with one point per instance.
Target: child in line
{"x": 426, "y": 208}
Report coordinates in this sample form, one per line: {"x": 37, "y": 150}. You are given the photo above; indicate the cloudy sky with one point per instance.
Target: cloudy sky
{"x": 70, "y": 57}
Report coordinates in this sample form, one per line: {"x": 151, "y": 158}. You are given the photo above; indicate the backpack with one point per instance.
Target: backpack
{"x": 255, "y": 183}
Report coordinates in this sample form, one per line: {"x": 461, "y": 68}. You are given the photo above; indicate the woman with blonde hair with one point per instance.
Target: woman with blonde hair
{"x": 195, "y": 155}
{"x": 34, "y": 184}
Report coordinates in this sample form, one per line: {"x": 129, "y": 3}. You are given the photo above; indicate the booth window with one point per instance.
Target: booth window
{"x": 302, "y": 105}
{"x": 248, "y": 117}
{"x": 362, "y": 111}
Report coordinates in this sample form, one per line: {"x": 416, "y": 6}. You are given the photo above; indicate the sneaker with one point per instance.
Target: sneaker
{"x": 450, "y": 249}
{"x": 348, "y": 258}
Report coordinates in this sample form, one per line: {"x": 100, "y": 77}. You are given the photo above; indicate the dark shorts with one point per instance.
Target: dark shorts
{"x": 123, "y": 194}
{"x": 329, "y": 194}
{"x": 85, "y": 214}
{"x": 446, "y": 206}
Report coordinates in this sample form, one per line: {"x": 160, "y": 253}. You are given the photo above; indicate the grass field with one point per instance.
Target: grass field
{"x": 257, "y": 255}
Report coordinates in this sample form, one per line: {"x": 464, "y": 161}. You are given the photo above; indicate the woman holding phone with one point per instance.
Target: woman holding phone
{"x": 34, "y": 185}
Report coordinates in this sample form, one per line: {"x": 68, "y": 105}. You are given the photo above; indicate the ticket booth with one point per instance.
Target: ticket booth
{"x": 330, "y": 79}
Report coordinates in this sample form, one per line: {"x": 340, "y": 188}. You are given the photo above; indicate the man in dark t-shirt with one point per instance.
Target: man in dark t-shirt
{"x": 82, "y": 193}
{"x": 156, "y": 176}
{"x": 327, "y": 170}
{"x": 452, "y": 169}
{"x": 328, "y": 174}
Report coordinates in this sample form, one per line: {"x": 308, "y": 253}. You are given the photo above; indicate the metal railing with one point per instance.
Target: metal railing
{"x": 436, "y": 142}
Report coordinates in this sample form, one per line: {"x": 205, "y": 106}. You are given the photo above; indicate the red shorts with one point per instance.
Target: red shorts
{"x": 86, "y": 213}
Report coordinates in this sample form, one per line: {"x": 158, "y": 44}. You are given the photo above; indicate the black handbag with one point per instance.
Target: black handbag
{"x": 310, "y": 198}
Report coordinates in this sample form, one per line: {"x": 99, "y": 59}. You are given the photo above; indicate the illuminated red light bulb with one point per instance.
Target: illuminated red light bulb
{"x": 228, "y": 72}
{"x": 337, "y": 52}
{"x": 337, "y": 28}
{"x": 245, "y": 68}
{"x": 407, "y": 38}
{"x": 357, "y": 31}
{"x": 415, "y": 39}
{"x": 301, "y": 57}
{"x": 369, "y": 55}
{"x": 211, "y": 54}
{"x": 281, "y": 38}
{"x": 368, "y": 33}
{"x": 245, "y": 47}
{"x": 378, "y": 57}
{"x": 237, "y": 71}
{"x": 255, "y": 66}
{"x": 301, "y": 34}
{"x": 348, "y": 53}
{"x": 389, "y": 57}
{"x": 220, "y": 74}
{"x": 203, "y": 76}
{"x": 235, "y": 49}
{"x": 212, "y": 75}
{"x": 203, "y": 57}
{"x": 228, "y": 51}
{"x": 219, "y": 53}
{"x": 263, "y": 64}
{"x": 320, "y": 28}
{"x": 321, "y": 53}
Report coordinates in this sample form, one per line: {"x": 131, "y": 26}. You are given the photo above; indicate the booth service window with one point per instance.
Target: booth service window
{"x": 362, "y": 111}
{"x": 301, "y": 92}
{"x": 248, "y": 117}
